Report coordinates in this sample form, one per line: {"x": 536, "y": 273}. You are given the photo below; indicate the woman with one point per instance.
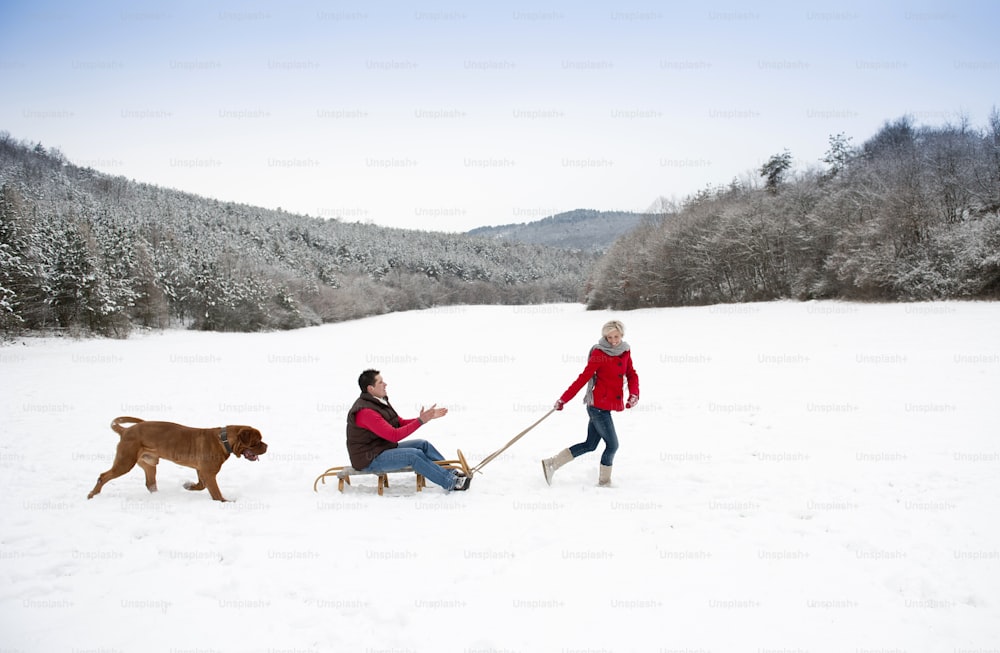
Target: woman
{"x": 609, "y": 367}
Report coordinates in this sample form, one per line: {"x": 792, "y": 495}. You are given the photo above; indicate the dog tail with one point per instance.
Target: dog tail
{"x": 116, "y": 423}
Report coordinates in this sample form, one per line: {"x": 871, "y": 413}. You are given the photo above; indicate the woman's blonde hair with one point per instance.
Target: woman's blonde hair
{"x": 613, "y": 325}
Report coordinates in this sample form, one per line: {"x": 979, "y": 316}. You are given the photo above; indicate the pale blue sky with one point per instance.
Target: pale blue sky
{"x": 442, "y": 116}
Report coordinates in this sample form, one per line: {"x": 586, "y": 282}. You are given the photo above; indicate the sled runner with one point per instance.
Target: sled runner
{"x": 464, "y": 464}
{"x": 344, "y": 473}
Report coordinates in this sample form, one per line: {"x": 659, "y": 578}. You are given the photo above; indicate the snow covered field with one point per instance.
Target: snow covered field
{"x": 808, "y": 477}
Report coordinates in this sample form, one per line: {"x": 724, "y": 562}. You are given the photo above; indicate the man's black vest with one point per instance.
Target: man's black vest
{"x": 362, "y": 444}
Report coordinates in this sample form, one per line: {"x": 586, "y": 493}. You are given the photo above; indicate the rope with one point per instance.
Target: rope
{"x": 506, "y": 446}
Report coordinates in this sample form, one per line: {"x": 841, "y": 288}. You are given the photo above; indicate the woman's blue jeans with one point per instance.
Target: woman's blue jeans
{"x": 600, "y": 428}
{"x": 418, "y": 454}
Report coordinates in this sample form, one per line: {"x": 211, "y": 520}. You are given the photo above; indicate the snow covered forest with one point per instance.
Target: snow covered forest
{"x": 91, "y": 253}
{"x": 911, "y": 214}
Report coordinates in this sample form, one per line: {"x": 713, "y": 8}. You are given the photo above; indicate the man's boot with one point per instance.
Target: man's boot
{"x": 550, "y": 465}
{"x": 604, "y": 477}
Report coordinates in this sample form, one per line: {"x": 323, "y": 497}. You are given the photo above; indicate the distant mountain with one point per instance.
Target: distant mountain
{"x": 583, "y": 229}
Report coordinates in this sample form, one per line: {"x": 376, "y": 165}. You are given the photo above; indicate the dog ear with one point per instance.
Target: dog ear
{"x": 245, "y": 436}
{"x": 250, "y": 438}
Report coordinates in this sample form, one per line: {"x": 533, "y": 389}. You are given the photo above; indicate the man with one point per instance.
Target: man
{"x": 375, "y": 434}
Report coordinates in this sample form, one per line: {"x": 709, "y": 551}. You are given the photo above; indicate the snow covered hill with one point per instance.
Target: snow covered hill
{"x": 816, "y": 477}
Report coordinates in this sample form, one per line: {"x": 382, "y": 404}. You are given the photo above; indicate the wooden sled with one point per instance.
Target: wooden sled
{"x": 344, "y": 473}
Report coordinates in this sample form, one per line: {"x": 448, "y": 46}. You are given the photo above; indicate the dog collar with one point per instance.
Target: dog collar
{"x": 224, "y": 438}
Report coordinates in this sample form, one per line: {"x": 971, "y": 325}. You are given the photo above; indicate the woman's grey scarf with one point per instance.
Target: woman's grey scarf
{"x": 606, "y": 347}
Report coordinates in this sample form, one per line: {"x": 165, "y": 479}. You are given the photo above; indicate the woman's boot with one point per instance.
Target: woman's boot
{"x": 604, "y": 477}
{"x": 550, "y": 465}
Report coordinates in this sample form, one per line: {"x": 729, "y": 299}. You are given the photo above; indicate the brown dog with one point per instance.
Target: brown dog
{"x": 145, "y": 443}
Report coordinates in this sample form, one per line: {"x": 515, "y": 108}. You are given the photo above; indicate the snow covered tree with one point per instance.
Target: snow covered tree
{"x": 839, "y": 154}
{"x": 774, "y": 169}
